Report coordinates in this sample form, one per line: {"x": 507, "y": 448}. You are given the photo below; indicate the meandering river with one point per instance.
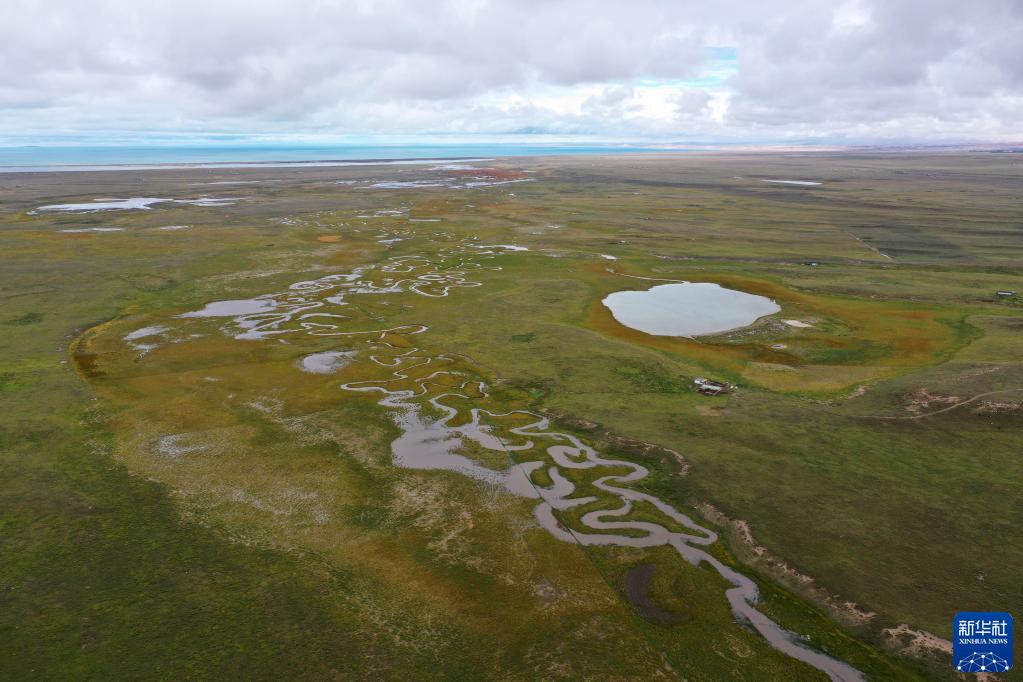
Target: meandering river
{"x": 439, "y": 402}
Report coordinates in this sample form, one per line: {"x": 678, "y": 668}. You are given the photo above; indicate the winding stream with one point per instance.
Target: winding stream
{"x": 420, "y": 393}
{"x": 432, "y": 444}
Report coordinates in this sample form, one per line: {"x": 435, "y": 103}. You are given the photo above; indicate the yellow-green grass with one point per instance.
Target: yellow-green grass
{"x": 293, "y": 492}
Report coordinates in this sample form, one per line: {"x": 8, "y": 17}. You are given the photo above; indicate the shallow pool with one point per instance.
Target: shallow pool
{"x": 688, "y": 309}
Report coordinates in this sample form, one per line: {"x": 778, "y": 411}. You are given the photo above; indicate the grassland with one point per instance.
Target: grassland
{"x": 204, "y": 508}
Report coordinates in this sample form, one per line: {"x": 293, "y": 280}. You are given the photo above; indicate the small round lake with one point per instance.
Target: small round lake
{"x": 688, "y": 309}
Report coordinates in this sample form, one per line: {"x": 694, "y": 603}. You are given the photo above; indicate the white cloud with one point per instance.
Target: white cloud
{"x": 856, "y": 70}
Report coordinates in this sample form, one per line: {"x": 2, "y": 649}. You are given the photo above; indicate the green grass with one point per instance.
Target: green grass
{"x": 293, "y": 547}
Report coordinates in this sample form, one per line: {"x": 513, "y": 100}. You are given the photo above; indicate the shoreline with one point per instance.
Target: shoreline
{"x": 450, "y": 155}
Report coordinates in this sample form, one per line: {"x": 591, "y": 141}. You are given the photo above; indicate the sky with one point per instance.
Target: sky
{"x": 744, "y": 71}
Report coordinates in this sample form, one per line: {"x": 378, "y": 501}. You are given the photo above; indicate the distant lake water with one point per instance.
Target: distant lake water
{"x": 688, "y": 309}
{"x": 68, "y": 158}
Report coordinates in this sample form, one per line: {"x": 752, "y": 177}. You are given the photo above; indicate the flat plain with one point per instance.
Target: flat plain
{"x": 279, "y": 427}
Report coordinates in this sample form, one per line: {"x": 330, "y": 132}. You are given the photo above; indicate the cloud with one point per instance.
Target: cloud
{"x": 747, "y": 70}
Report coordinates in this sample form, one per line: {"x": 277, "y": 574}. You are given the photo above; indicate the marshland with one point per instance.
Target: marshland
{"x": 437, "y": 420}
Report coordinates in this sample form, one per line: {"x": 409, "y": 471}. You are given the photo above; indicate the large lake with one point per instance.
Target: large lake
{"x": 140, "y": 157}
{"x": 688, "y": 309}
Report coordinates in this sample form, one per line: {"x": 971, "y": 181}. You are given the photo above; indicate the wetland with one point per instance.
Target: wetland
{"x": 438, "y": 420}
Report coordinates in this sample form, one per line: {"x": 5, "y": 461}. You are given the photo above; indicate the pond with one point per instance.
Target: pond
{"x": 688, "y": 309}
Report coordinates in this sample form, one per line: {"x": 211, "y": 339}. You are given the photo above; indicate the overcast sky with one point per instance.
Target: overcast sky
{"x": 744, "y": 70}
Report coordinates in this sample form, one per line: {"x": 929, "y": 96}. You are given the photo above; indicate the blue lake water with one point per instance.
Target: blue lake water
{"x": 52, "y": 158}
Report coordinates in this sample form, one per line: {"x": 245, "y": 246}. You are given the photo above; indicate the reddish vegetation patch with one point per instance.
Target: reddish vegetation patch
{"x": 86, "y": 364}
{"x": 490, "y": 173}
{"x": 913, "y": 337}
{"x": 730, "y": 358}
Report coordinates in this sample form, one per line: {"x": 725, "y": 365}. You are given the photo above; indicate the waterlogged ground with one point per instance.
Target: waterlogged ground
{"x": 396, "y": 395}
